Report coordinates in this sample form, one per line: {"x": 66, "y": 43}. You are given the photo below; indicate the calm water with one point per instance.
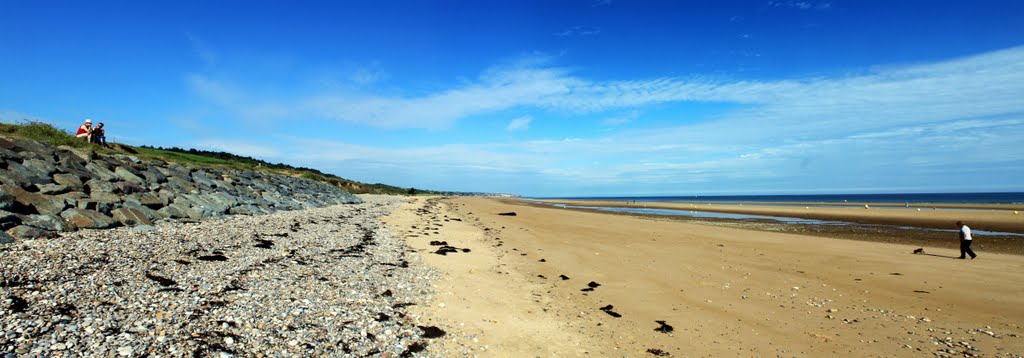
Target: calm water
{"x": 948, "y": 198}
{"x": 781, "y": 219}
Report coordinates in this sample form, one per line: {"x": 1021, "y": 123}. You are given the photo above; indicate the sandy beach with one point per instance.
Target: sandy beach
{"x": 553, "y": 282}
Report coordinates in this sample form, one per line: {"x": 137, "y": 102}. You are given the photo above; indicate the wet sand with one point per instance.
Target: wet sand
{"x": 718, "y": 290}
{"x": 988, "y": 219}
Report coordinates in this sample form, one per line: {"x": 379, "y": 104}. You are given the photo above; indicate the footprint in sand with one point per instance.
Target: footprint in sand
{"x": 664, "y": 328}
{"x": 608, "y": 309}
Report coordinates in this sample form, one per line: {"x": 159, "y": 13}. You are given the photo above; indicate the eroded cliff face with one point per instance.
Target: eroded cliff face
{"x": 45, "y": 190}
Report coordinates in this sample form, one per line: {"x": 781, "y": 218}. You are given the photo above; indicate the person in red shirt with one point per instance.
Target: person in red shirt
{"x": 85, "y": 131}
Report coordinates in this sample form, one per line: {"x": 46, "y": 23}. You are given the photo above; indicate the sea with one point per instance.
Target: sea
{"x": 945, "y": 198}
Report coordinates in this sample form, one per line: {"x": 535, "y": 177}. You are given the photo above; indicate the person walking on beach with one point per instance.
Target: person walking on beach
{"x": 965, "y": 241}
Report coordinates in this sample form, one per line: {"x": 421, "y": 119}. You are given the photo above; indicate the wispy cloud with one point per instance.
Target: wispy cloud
{"x": 519, "y": 124}
{"x": 203, "y": 51}
{"x": 802, "y": 5}
{"x": 972, "y": 86}
{"x": 579, "y": 31}
{"x": 621, "y": 118}
{"x": 368, "y": 75}
{"x": 598, "y": 3}
{"x": 893, "y": 127}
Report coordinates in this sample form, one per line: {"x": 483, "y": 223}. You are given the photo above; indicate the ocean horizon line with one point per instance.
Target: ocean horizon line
{"x": 952, "y": 198}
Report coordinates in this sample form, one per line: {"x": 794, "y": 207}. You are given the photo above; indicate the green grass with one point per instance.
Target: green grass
{"x": 170, "y": 156}
{"x": 44, "y": 132}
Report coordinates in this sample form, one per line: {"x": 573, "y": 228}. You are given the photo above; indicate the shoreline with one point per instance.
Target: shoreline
{"x": 635, "y": 286}
{"x": 999, "y": 220}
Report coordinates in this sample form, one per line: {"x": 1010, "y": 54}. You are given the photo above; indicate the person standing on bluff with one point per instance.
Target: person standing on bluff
{"x": 965, "y": 241}
{"x": 85, "y": 131}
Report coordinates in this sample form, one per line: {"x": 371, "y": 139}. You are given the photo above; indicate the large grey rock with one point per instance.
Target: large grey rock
{"x": 208, "y": 208}
{"x": 154, "y": 177}
{"x": 6, "y": 200}
{"x": 92, "y": 204}
{"x": 85, "y": 154}
{"x": 105, "y": 197}
{"x": 150, "y": 200}
{"x": 99, "y": 171}
{"x": 180, "y": 211}
{"x": 148, "y": 212}
{"x": 9, "y": 219}
{"x": 72, "y": 181}
{"x": 12, "y": 178}
{"x": 48, "y": 222}
{"x": 222, "y": 199}
{"x": 67, "y": 158}
{"x": 43, "y": 149}
{"x": 128, "y": 158}
{"x": 88, "y": 219}
{"x": 127, "y": 187}
{"x": 72, "y": 198}
{"x": 247, "y": 209}
{"x": 101, "y": 186}
{"x": 43, "y": 168}
{"x": 32, "y": 203}
{"x": 51, "y": 189}
{"x": 130, "y": 216}
{"x": 181, "y": 186}
{"x": 202, "y": 180}
{"x": 7, "y": 144}
{"x": 25, "y": 232}
{"x": 129, "y": 175}
{"x": 32, "y": 175}
{"x": 181, "y": 169}
{"x": 5, "y": 239}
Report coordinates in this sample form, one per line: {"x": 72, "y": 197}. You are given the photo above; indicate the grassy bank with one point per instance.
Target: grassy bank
{"x": 44, "y": 132}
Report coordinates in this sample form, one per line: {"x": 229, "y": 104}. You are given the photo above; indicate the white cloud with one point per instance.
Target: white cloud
{"x": 622, "y": 118}
{"x": 802, "y": 5}
{"x": 579, "y": 31}
{"x": 519, "y": 124}
{"x": 202, "y": 50}
{"x": 368, "y": 75}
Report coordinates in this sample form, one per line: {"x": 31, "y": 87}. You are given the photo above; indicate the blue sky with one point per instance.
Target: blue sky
{"x": 547, "y": 98}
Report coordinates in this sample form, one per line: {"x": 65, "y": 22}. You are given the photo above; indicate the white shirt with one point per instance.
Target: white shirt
{"x": 966, "y": 231}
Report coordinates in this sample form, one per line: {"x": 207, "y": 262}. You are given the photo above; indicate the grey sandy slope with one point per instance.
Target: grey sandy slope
{"x": 46, "y": 190}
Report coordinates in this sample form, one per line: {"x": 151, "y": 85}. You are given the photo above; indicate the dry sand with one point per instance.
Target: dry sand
{"x": 724, "y": 291}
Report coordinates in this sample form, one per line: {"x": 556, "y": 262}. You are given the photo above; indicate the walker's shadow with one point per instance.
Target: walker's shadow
{"x": 948, "y": 257}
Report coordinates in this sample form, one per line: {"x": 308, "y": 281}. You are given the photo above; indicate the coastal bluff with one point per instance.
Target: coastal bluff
{"x": 45, "y": 190}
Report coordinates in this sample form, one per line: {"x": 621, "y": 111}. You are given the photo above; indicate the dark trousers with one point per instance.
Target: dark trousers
{"x": 965, "y": 247}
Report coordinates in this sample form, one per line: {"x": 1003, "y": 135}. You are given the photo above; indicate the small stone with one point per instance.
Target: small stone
{"x": 125, "y": 351}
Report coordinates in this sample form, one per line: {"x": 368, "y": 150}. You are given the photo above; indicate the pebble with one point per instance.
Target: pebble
{"x": 122, "y": 292}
